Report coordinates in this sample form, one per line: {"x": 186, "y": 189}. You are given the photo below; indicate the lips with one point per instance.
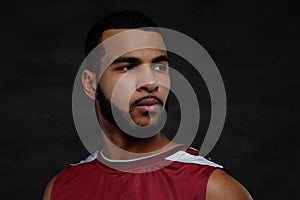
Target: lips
{"x": 148, "y": 105}
{"x": 148, "y": 102}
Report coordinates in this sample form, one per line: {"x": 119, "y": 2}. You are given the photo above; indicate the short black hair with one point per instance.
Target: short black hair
{"x": 124, "y": 19}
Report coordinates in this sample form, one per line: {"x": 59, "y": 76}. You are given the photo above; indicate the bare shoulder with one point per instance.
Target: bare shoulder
{"x": 222, "y": 186}
{"x": 47, "y": 192}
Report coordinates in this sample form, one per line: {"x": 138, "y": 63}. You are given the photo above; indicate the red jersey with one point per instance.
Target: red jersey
{"x": 178, "y": 173}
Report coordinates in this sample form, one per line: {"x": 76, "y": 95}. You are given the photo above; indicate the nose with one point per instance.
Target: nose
{"x": 148, "y": 87}
{"x": 147, "y": 82}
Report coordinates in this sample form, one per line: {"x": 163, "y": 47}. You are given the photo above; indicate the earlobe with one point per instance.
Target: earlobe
{"x": 89, "y": 83}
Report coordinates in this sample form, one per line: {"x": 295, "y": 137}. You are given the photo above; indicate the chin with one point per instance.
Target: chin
{"x": 144, "y": 122}
{"x": 146, "y": 119}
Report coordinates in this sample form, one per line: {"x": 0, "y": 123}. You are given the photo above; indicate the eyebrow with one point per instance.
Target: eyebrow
{"x": 160, "y": 59}
{"x": 137, "y": 60}
{"x": 126, "y": 59}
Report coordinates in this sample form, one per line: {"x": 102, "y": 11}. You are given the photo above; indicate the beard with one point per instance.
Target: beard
{"x": 119, "y": 118}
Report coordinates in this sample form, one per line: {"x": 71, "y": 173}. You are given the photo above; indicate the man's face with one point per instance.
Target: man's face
{"x": 136, "y": 82}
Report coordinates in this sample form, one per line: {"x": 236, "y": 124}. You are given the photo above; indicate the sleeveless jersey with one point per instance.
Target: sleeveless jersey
{"x": 179, "y": 173}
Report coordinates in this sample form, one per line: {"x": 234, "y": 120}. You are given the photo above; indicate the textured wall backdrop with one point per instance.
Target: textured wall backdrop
{"x": 254, "y": 46}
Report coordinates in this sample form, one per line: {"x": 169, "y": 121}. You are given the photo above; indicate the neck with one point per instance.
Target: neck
{"x": 119, "y": 145}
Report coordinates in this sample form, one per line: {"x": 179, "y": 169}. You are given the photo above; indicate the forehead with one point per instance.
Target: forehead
{"x": 125, "y": 42}
{"x": 133, "y": 36}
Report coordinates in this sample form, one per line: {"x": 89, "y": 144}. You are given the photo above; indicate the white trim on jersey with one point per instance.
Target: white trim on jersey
{"x": 136, "y": 159}
{"x": 184, "y": 157}
{"x": 180, "y": 156}
{"x": 88, "y": 159}
{"x": 96, "y": 154}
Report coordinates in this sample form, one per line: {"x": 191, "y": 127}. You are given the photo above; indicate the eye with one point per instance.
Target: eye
{"x": 160, "y": 67}
{"x": 126, "y": 68}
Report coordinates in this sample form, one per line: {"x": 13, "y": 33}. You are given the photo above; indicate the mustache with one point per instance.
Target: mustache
{"x": 136, "y": 102}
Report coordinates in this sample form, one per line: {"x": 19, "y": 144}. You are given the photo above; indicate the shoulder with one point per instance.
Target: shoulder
{"x": 222, "y": 186}
{"x": 48, "y": 190}
{"x": 66, "y": 174}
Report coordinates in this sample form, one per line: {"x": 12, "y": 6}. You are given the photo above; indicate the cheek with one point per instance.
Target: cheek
{"x": 107, "y": 87}
{"x": 163, "y": 79}
{"x": 118, "y": 89}
{"x": 165, "y": 84}
{"x": 164, "y": 93}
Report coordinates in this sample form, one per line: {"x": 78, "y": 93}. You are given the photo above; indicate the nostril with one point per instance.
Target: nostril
{"x": 144, "y": 88}
{"x": 149, "y": 87}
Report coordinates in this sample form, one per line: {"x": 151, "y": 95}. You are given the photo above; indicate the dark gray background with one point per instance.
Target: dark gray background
{"x": 255, "y": 46}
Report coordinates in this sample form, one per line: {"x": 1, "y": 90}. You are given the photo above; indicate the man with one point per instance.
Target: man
{"x": 130, "y": 90}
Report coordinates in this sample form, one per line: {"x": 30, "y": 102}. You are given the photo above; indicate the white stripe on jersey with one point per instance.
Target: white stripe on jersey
{"x": 88, "y": 159}
{"x": 184, "y": 157}
{"x": 180, "y": 156}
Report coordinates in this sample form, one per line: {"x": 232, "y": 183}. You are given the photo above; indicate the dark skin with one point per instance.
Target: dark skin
{"x": 116, "y": 143}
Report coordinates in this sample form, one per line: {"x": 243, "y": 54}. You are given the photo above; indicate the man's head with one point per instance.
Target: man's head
{"x": 133, "y": 76}
{"x": 120, "y": 20}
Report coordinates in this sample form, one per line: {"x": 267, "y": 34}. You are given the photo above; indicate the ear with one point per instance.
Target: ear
{"x": 89, "y": 83}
